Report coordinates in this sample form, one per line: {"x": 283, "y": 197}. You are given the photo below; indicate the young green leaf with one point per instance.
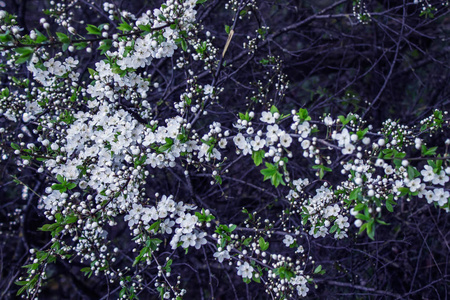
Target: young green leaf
{"x": 92, "y": 29}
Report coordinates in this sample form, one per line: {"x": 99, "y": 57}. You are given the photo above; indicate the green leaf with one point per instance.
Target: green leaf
{"x": 274, "y": 109}
{"x": 63, "y": 38}
{"x": 397, "y": 163}
{"x": 92, "y": 29}
{"x": 428, "y": 152}
{"x": 362, "y": 228}
{"x": 400, "y": 155}
{"x": 362, "y": 217}
{"x": 48, "y": 227}
{"x": 166, "y": 146}
{"x": 58, "y": 217}
{"x": 318, "y": 269}
{"x": 155, "y": 226}
{"x": 154, "y": 243}
{"x": 15, "y": 146}
{"x": 245, "y": 116}
{"x": 333, "y": 228}
{"x": 326, "y": 169}
{"x": 263, "y": 244}
{"x": 60, "y": 178}
{"x": 124, "y": 26}
{"x": 277, "y": 179}
{"x": 388, "y": 153}
{"x": 343, "y": 120}
{"x": 303, "y": 114}
{"x": 269, "y": 171}
{"x": 258, "y": 157}
{"x": 411, "y": 172}
{"x": 106, "y": 44}
{"x": 5, "y": 92}
{"x": 389, "y": 206}
{"x": 140, "y": 257}
{"x": 21, "y": 290}
{"x": 65, "y": 46}
{"x": 382, "y": 222}
{"x": 183, "y": 44}
{"x": 390, "y": 199}
{"x": 80, "y": 45}
{"x": 283, "y": 273}
{"x": 140, "y": 160}
{"x": 359, "y": 207}
{"x": 24, "y": 50}
{"x": 247, "y": 241}
{"x": 169, "y": 263}
{"x": 92, "y": 72}
{"x": 162, "y": 17}
{"x": 23, "y": 282}
{"x": 70, "y": 219}
{"x": 322, "y": 170}
{"x": 146, "y": 28}
{"x": 39, "y": 37}
{"x": 122, "y": 292}
{"x": 6, "y": 37}
{"x": 354, "y": 194}
{"x": 23, "y": 58}
{"x": 58, "y": 187}
{"x": 403, "y": 191}
{"x": 227, "y": 29}
{"x": 362, "y": 133}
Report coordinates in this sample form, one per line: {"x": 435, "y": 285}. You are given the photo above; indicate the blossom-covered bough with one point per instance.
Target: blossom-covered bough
{"x": 167, "y": 154}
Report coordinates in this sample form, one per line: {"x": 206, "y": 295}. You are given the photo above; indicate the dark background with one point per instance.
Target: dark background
{"x": 396, "y": 66}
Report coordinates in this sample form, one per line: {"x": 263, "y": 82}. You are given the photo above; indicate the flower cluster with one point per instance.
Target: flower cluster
{"x": 139, "y": 155}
